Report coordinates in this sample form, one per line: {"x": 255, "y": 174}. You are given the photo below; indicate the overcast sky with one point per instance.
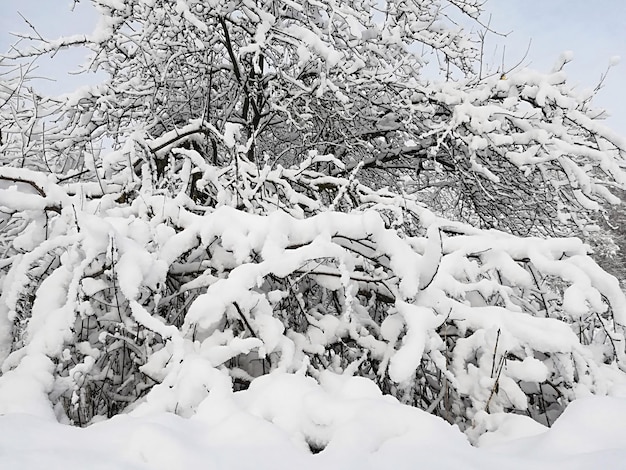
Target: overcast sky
{"x": 594, "y": 31}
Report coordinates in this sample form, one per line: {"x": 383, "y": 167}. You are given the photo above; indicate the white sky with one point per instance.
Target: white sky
{"x": 594, "y": 31}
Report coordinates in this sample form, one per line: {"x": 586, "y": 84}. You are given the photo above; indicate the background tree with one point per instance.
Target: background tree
{"x": 609, "y": 242}
{"x": 292, "y": 188}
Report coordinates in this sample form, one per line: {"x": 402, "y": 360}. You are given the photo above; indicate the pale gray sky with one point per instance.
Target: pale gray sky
{"x": 51, "y": 18}
{"x": 594, "y": 31}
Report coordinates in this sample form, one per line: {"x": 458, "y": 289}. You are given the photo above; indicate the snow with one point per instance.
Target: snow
{"x": 589, "y": 434}
{"x": 231, "y": 132}
{"x": 419, "y": 320}
{"x": 314, "y": 43}
{"x": 281, "y": 418}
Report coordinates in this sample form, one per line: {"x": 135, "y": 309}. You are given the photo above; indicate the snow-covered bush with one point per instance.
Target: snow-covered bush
{"x": 287, "y": 193}
{"x": 150, "y": 298}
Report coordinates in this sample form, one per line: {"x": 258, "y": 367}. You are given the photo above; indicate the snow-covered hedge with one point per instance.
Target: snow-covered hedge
{"x": 129, "y": 293}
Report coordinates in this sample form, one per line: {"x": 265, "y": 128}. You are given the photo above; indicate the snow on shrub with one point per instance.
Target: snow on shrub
{"x": 157, "y": 299}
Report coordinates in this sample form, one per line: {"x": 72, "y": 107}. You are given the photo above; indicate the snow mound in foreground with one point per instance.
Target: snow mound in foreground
{"x": 291, "y": 421}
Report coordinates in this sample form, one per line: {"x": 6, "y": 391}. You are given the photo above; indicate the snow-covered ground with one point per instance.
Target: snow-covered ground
{"x": 276, "y": 423}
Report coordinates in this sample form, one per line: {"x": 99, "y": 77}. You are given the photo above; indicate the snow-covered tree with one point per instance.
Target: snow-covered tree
{"x": 609, "y": 243}
{"x": 304, "y": 186}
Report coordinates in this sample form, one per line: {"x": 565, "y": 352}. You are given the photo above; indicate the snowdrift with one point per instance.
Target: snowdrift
{"x": 286, "y": 421}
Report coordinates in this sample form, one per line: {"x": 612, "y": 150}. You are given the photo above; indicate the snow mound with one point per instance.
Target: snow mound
{"x": 292, "y": 421}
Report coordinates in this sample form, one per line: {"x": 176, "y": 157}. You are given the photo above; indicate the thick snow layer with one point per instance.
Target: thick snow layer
{"x": 346, "y": 421}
